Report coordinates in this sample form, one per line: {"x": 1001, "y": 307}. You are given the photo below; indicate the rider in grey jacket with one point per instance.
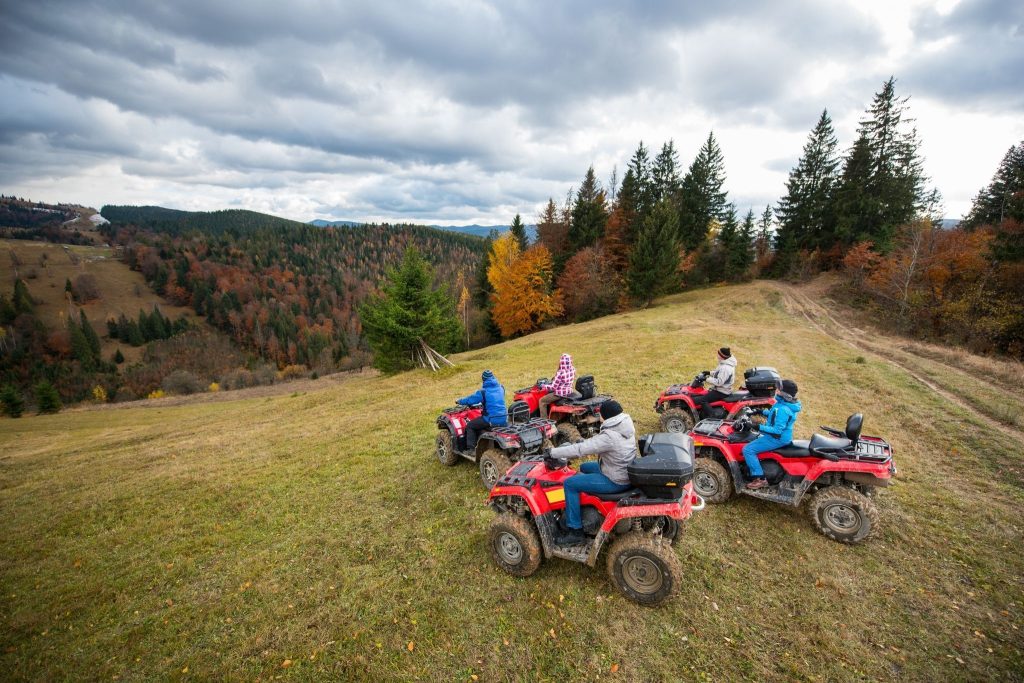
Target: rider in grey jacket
{"x": 721, "y": 381}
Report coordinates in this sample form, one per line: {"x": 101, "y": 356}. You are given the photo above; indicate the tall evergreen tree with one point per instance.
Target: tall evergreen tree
{"x": 589, "y": 213}
{"x": 856, "y": 206}
{"x": 519, "y": 230}
{"x": 654, "y": 261}
{"x": 895, "y": 190}
{"x": 21, "y": 301}
{"x": 90, "y": 335}
{"x": 665, "y": 173}
{"x": 739, "y": 260}
{"x": 807, "y": 212}
{"x": 702, "y": 199}
{"x": 1003, "y": 197}
{"x": 642, "y": 186}
{"x": 763, "y": 241}
{"x": 80, "y": 348}
{"x": 407, "y": 310}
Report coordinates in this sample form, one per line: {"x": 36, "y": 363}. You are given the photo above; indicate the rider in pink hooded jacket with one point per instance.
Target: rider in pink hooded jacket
{"x": 561, "y": 384}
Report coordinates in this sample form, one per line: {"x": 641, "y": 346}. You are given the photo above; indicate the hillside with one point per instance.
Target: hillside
{"x": 121, "y": 290}
{"x": 313, "y": 535}
{"x": 286, "y": 291}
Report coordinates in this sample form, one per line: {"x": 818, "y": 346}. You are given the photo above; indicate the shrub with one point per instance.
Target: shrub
{"x": 213, "y": 387}
{"x": 12, "y": 401}
{"x": 239, "y": 378}
{"x": 47, "y": 398}
{"x": 86, "y": 288}
{"x": 263, "y": 374}
{"x": 125, "y": 394}
{"x": 156, "y": 394}
{"x": 99, "y": 394}
{"x": 118, "y": 357}
{"x": 181, "y": 382}
{"x": 292, "y": 372}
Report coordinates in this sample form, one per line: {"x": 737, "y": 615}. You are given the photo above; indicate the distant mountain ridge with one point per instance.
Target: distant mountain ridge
{"x": 474, "y": 229}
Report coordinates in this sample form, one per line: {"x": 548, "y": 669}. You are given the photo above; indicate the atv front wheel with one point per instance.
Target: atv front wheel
{"x": 711, "y": 481}
{"x": 515, "y": 546}
{"x": 676, "y": 420}
{"x": 645, "y": 569}
{"x": 567, "y": 433}
{"x": 844, "y": 515}
{"x": 493, "y": 466}
{"x": 444, "y": 449}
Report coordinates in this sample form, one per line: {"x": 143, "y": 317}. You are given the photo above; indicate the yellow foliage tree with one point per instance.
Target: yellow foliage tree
{"x": 522, "y": 295}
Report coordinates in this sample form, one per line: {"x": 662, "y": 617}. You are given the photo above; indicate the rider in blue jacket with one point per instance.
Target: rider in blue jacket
{"x": 492, "y": 396}
{"x": 775, "y": 433}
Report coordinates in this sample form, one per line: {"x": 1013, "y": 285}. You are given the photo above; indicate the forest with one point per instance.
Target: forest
{"x": 868, "y": 214}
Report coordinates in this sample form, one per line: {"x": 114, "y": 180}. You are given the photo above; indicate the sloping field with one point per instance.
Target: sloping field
{"x": 313, "y": 536}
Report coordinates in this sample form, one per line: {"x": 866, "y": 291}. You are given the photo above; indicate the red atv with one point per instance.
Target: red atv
{"x": 578, "y": 416}
{"x": 639, "y": 525}
{"x": 841, "y": 471}
{"x": 679, "y": 414}
{"x": 497, "y": 448}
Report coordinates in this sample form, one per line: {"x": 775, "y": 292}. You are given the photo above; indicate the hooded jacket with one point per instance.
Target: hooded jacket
{"x": 723, "y": 376}
{"x": 781, "y": 418}
{"x": 614, "y": 445}
{"x": 561, "y": 385}
{"x": 492, "y": 396}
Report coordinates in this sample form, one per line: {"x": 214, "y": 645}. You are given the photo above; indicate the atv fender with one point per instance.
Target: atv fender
{"x": 444, "y": 422}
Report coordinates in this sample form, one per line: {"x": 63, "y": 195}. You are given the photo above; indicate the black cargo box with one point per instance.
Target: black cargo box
{"x": 761, "y": 381}
{"x": 586, "y": 386}
{"x": 665, "y": 465}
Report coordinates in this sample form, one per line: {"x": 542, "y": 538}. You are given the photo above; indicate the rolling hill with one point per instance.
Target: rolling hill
{"x": 313, "y": 535}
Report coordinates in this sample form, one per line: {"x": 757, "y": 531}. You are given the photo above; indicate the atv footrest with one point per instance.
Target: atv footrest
{"x": 577, "y": 553}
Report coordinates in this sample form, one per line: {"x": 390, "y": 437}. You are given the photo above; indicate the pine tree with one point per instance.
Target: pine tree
{"x": 1004, "y": 196}
{"x": 807, "y": 212}
{"x": 13, "y": 403}
{"x": 763, "y": 242}
{"x": 728, "y": 241}
{"x": 703, "y": 199}
{"x": 654, "y": 261}
{"x": 519, "y": 230}
{"x": 894, "y": 192}
{"x": 409, "y": 310}
{"x": 47, "y": 398}
{"x": 146, "y": 326}
{"x": 134, "y": 334}
{"x": 589, "y": 213}
{"x": 665, "y": 174}
{"x": 741, "y": 256}
{"x": 112, "y": 328}
{"x": 118, "y": 357}
{"x": 90, "y": 335}
{"x": 22, "y": 301}
{"x": 641, "y": 200}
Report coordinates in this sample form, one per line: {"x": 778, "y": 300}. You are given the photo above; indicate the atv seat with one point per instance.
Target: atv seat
{"x": 819, "y": 442}
{"x": 574, "y": 396}
{"x": 628, "y": 493}
{"x": 732, "y": 398}
{"x": 797, "y": 449}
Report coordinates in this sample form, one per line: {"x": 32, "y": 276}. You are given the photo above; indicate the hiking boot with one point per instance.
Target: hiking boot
{"x": 571, "y": 537}
{"x": 758, "y": 483}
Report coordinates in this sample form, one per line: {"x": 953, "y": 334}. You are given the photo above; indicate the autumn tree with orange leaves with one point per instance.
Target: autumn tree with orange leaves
{"x": 522, "y": 297}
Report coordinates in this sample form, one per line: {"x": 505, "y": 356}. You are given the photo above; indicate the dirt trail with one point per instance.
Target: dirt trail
{"x": 809, "y": 302}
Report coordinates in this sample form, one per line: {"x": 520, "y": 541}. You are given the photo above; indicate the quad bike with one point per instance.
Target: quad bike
{"x": 840, "y": 472}
{"x": 497, "y": 448}
{"x": 680, "y": 414}
{"x": 577, "y": 416}
{"x": 639, "y": 525}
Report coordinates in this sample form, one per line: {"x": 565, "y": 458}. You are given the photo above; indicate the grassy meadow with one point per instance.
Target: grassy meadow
{"x": 312, "y": 535}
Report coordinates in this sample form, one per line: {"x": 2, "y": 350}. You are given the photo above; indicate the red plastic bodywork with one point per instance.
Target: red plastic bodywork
{"x": 461, "y": 418}
{"x": 539, "y": 498}
{"x": 684, "y": 393}
{"x": 556, "y": 411}
{"x": 810, "y": 468}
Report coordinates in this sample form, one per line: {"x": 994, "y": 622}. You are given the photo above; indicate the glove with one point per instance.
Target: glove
{"x": 553, "y": 463}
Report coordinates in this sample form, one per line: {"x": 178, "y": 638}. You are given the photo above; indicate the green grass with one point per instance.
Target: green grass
{"x": 228, "y": 537}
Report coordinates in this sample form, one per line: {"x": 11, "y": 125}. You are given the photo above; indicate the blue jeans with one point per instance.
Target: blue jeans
{"x": 760, "y": 445}
{"x": 589, "y": 480}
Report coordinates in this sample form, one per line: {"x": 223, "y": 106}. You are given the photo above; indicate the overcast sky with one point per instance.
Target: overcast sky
{"x": 457, "y": 111}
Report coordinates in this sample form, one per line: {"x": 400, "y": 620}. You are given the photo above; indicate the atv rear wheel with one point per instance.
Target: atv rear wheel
{"x": 567, "y": 433}
{"x": 515, "y": 545}
{"x": 844, "y": 514}
{"x": 644, "y": 568}
{"x": 711, "y": 481}
{"x": 444, "y": 449}
{"x": 677, "y": 420}
{"x": 493, "y": 466}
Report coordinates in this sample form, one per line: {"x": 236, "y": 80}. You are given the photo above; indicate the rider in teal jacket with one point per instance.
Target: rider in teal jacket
{"x": 775, "y": 433}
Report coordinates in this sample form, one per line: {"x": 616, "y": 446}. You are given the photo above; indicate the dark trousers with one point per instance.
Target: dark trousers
{"x": 473, "y": 429}
{"x": 701, "y": 402}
